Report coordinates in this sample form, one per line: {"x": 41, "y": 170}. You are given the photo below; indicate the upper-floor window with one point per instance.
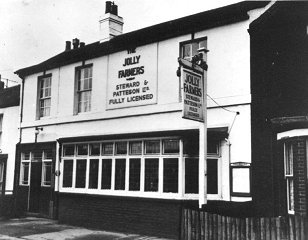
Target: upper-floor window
{"x": 44, "y": 100}
{"x": 83, "y": 89}
{"x": 190, "y": 48}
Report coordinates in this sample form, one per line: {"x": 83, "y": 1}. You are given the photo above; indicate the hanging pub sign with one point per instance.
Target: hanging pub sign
{"x": 193, "y": 94}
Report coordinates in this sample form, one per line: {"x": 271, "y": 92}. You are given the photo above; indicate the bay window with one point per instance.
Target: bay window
{"x": 158, "y": 167}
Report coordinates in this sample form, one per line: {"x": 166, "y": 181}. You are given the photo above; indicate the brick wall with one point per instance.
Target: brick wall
{"x": 300, "y": 176}
{"x": 155, "y": 217}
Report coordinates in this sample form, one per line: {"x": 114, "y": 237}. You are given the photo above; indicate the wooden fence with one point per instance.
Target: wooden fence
{"x": 197, "y": 225}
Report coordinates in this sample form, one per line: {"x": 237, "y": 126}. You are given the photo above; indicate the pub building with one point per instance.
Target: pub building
{"x": 103, "y": 139}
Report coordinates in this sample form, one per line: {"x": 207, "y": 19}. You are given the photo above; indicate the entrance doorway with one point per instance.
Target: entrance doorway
{"x": 35, "y": 187}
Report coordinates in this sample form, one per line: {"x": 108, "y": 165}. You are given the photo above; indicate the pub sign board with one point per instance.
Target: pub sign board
{"x": 132, "y": 78}
{"x": 193, "y": 95}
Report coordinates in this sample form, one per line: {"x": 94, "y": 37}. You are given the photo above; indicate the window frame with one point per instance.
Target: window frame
{"x": 240, "y": 165}
{"x": 127, "y": 157}
{"x": 289, "y": 177}
{"x": 40, "y": 99}
{"x": 182, "y": 44}
{"x": 46, "y": 160}
{"x": 22, "y": 162}
{"x": 77, "y": 91}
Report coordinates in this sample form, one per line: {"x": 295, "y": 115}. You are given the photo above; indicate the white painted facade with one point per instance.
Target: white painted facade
{"x": 9, "y": 139}
{"x": 228, "y": 84}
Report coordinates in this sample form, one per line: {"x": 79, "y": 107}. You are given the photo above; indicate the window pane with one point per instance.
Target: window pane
{"x": 120, "y": 174}
{"x": 171, "y": 146}
{"x": 69, "y": 150}
{"x": 82, "y": 149}
{"x": 170, "y": 175}
{"x": 81, "y": 165}
{"x": 151, "y": 175}
{"x": 202, "y": 44}
{"x": 25, "y": 156}
{"x": 93, "y": 177}
{"x": 47, "y": 154}
{"x": 25, "y": 173}
{"x": 67, "y": 173}
{"x": 106, "y": 173}
{"x": 84, "y": 101}
{"x": 135, "y": 148}
{"x": 212, "y": 177}
{"x": 291, "y": 194}
{"x": 47, "y": 168}
{"x": 213, "y": 147}
{"x": 289, "y": 159}
{"x": 187, "y": 51}
{"x": 134, "y": 174}
{"x": 107, "y": 148}
{"x": 152, "y": 147}
{"x": 195, "y": 47}
{"x": 238, "y": 185}
{"x": 94, "y": 149}
{"x": 191, "y": 146}
{"x": 121, "y": 147}
{"x": 191, "y": 175}
{"x": 37, "y": 156}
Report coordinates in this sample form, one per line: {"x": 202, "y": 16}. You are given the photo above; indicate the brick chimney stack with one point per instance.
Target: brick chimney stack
{"x": 111, "y": 24}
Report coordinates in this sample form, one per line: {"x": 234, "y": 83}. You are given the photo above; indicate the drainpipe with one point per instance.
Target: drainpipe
{"x": 21, "y": 107}
{"x": 229, "y": 163}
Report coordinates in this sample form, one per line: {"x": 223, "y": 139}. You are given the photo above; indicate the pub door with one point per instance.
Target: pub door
{"x": 35, "y": 187}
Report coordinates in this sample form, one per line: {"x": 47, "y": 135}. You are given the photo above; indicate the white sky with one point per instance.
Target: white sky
{"x": 32, "y": 31}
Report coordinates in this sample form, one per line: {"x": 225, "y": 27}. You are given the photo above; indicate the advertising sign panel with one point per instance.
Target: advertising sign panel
{"x": 192, "y": 89}
{"x": 132, "y": 78}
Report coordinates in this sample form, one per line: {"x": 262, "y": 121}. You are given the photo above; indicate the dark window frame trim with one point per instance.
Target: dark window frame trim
{"x": 39, "y": 79}
{"x": 76, "y": 91}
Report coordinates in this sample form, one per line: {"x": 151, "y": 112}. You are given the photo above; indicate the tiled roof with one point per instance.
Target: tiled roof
{"x": 190, "y": 24}
{"x": 9, "y": 97}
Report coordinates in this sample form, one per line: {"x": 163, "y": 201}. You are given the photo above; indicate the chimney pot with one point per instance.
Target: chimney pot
{"x": 82, "y": 44}
{"x": 114, "y": 9}
{"x": 67, "y": 45}
{"x": 108, "y": 7}
{"x": 1, "y": 85}
{"x": 75, "y": 43}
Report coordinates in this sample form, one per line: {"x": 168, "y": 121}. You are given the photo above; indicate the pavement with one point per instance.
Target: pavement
{"x": 33, "y": 228}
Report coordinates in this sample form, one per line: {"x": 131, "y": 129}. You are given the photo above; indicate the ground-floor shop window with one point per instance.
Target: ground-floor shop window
{"x": 155, "y": 167}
